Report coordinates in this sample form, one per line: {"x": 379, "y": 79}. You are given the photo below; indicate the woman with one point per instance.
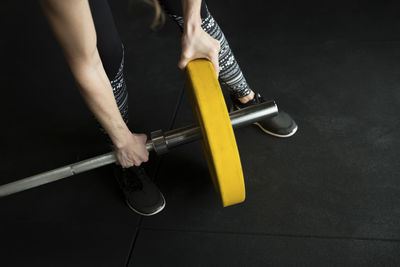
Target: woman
{"x": 94, "y": 52}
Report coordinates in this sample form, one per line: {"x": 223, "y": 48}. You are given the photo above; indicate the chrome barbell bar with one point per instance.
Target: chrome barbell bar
{"x": 159, "y": 142}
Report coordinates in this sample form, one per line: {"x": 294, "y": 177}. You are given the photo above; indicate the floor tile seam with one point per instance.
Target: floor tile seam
{"x": 133, "y": 243}
{"x": 177, "y": 106}
{"x": 171, "y": 125}
{"x": 138, "y": 228}
{"x": 275, "y": 235}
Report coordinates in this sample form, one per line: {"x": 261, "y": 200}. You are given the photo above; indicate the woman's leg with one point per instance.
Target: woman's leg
{"x": 141, "y": 194}
{"x": 230, "y": 74}
{"x": 111, "y": 51}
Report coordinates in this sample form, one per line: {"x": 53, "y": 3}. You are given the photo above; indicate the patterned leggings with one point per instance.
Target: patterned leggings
{"x": 230, "y": 74}
{"x": 111, "y": 51}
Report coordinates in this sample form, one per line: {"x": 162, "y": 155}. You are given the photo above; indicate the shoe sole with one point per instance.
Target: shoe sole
{"x": 148, "y": 214}
{"x": 274, "y": 134}
{"x": 268, "y": 132}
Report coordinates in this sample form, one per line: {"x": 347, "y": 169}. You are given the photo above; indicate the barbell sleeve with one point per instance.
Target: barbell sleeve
{"x": 239, "y": 118}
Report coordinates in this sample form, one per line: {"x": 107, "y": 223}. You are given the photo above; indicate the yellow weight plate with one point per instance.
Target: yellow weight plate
{"x": 219, "y": 143}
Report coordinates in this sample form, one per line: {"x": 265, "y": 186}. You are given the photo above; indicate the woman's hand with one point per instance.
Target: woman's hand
{"x": 133, "y": 151}
{"x": 196, "y": 43}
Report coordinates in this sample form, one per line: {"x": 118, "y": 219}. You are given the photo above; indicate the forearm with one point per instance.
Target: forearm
{"x": 72, "y": 24}
{"x": 191, "y": 15}
{"x": 96, "y": 90}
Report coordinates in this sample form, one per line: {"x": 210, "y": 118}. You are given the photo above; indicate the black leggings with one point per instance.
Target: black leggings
{"x": 111, "y": 52}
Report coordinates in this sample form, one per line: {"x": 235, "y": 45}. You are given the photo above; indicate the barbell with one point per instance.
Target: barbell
{"x": 214, "y": 127}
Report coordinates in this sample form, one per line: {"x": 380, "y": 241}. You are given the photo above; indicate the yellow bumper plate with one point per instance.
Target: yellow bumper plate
{"x": 219, "y": 143}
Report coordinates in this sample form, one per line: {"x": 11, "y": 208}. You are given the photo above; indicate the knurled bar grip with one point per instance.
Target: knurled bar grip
{"x": 160, "y": 143}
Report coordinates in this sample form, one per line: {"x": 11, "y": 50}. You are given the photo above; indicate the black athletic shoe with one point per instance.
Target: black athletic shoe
{"x": 141, "y": 194}
{"x": 281, "y": 125}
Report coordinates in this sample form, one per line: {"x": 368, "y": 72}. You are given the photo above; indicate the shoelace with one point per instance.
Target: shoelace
{"x": 132, "y": 183}
{"x": 259, "y": 98}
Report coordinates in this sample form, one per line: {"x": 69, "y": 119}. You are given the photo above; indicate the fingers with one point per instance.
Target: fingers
{"x": 212, "y": 57}
{"x": 182, "y": 63}
{"x": 142, "y": 137}
{"x": 211, "y": 53}
{"x": 133, "y": 154}
{"x": 126, "y": 163}
{"x": 143, "y": 156}
{"x": 214, "y": 61}
{"x": 215, "y": 57}
{"x": 199, "y": 44}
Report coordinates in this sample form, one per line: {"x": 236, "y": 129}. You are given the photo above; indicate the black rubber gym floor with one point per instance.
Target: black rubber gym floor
{"x": 328, "y": 196}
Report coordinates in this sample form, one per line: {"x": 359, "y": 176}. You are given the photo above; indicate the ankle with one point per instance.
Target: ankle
{"x": 246, "y": 98}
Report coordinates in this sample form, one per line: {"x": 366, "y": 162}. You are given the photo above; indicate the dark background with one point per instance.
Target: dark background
{"x": 328, "y": 196}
